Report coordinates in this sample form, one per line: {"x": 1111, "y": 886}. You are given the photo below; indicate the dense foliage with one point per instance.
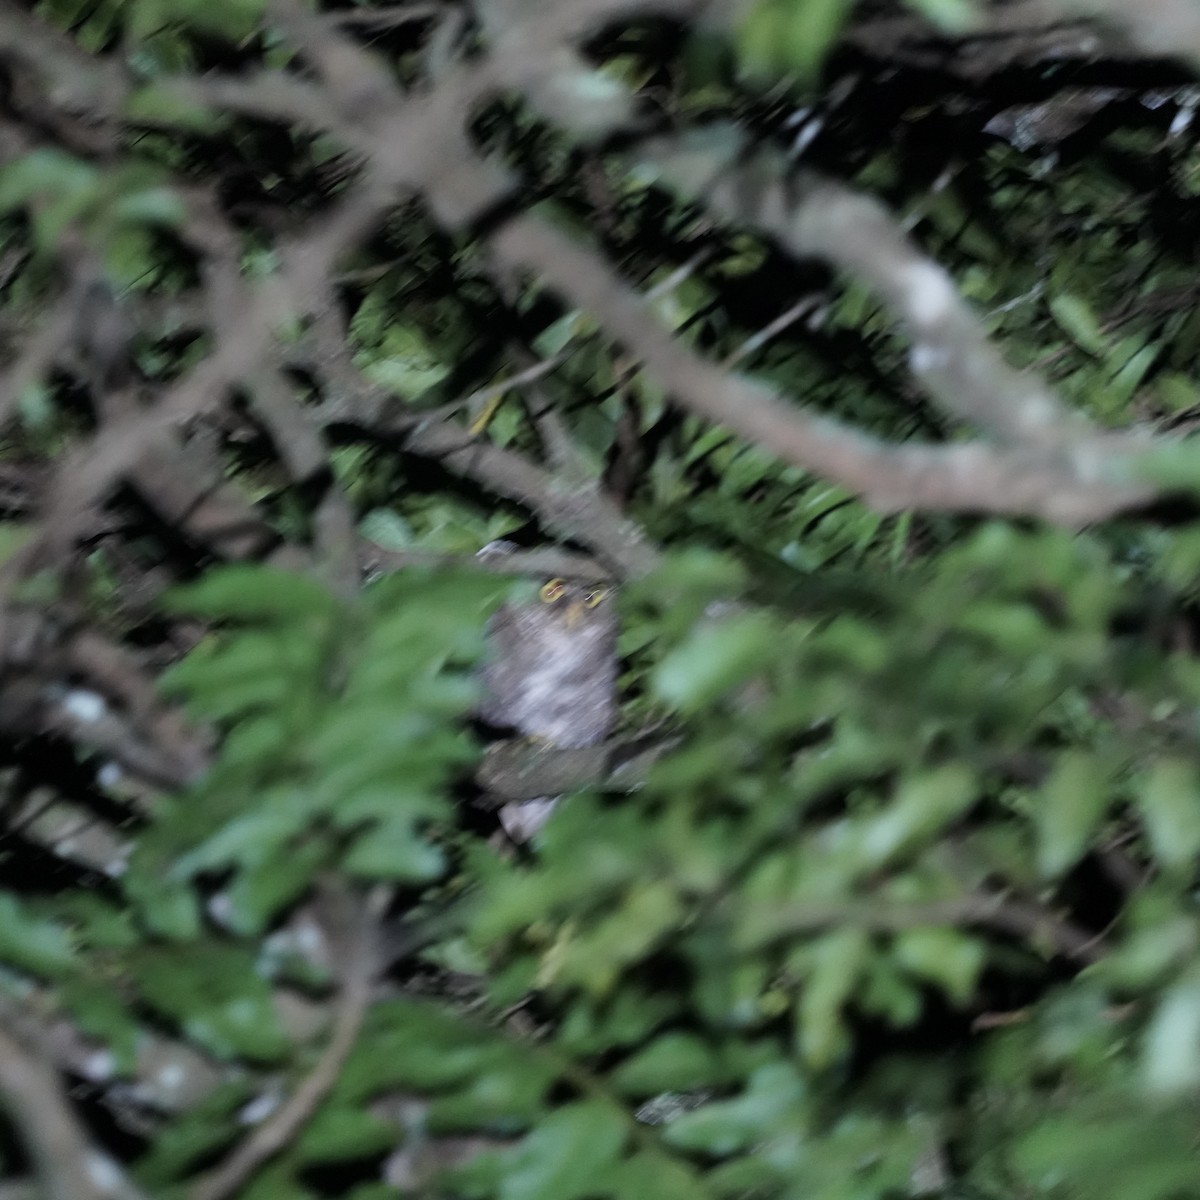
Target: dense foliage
{"x": 888, "y": 884}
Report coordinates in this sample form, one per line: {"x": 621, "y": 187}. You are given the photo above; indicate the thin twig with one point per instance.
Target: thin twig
{"x": 357, "y": 975}
{"x": 68, "y": 1166}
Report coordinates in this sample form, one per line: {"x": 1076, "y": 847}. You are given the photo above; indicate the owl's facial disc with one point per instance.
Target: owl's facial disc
{"x": 577, "y": 603}
{"x": 580, "y": 605}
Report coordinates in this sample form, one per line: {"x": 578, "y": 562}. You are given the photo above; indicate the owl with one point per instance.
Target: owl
{"x": 552, "y": 666}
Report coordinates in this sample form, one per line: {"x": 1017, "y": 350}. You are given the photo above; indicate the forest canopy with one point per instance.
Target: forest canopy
{"x": 833, "y": 365}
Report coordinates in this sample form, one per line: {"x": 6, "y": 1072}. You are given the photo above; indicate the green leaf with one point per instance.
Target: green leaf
{"x": 417, "y": 1045}
{"x": 648, "y": 911}
{"x": 648, "y": 1174}
{"x": 104, "y": 1016}
{"x": 925, "y": 802}
{"x": 810, "y": 31}
{"x": 789, "y": 36}
{"x": 167, "y": 906}
{"x": 1128, "y": 376}
{"x": 952, "y": 16}
{"x": 1077, "y": 320}
{"x": 201, "y": 1131}
{"x": 404, "y": 363}
{"x": 344, "y": 1133}
{"x": 758, "y": 38}
{"x": 1176, "y": 392}
{"x": 387, "y": 529}
{"x": 946, "y": 957}
{"x": 1017, "y": 629}
{"x": 159, "y": 104}
{"x": 731, "y": 994}
{"x": 228, "y": 676}
{"x": 36, "y": 406}
{"x": 233, "y": 20}
{"x": 571, "y": 1154}
{"x": 890, "y": 993}
{"x": 1171, "y": 1049}
{"x": 560, "y": 334}
{"x": 253, "y": 593}
{"x": 1098, "y": 1147}
{"x": 217, "y": 997}
{"x": 276, "y": 1181}
{"x": 773, "y": 1098}
{"x": 1069, "y": 807}
{"x": 48, "y": 175}
{"x": 1169, "y": 800}
{"x": 675, "y": 1062}
{"x": 391, "y": 850}
{"x": 1159, "y": 940}
{"x": 252, "y": 834}
{"x": 831, "y": 969}
{"x": 262, "y": 889}
{"x": 13, "y": 535}
{"x": 151, "y": 206}
{"x": 716, "y": 658}
{"x": 30, "y": 942}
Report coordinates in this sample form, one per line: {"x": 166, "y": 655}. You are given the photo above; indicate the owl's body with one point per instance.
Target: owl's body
{"x": 552, "y": 668}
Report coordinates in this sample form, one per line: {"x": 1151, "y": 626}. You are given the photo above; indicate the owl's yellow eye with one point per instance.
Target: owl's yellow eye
{"x": 556, "y": 589}
{"x": 595, "y": 596}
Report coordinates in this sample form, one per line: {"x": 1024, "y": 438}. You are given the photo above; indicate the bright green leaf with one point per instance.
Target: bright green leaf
{"x": 30, "y": 942}
{"x": 1169, "y": 800}
{"x": 1071, "y": 804}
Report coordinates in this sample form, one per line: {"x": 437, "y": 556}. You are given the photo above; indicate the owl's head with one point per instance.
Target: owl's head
{"x": 573, "y": 603}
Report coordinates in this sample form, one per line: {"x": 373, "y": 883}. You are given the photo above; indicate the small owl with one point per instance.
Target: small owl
{"x": 552, "y": 671}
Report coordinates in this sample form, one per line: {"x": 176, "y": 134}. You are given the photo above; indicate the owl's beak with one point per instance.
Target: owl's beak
{"x": 575, "y": 611}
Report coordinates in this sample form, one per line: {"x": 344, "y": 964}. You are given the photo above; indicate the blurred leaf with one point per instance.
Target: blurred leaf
{"x": 772, "y": 1098}
{"x": 675, "y": 1062}
{"x": 387, "y": 529}
{"x": 30, "y": 942}
{"x": 1072, "y": 803}
{"x": 151, "y": 206}
{"x": 104, "y": 1017}
{"x": 263, "y": 887}
{"x": 13, "y": 535}
{"x": 833, "y": 968}
{"x": 252, "y": 592}
{"x": 655, "y": 1175}
{"x": 790, "y": 35}
{"x": 230, "y": 19}
{"x": 1158, "y": 940}
{"x": 925, "y": 802}
{"x": 1176, "y": 392}
{"x": 1108, "y": 1152}
{"x": 215, "y": 995}
{"x": 337, "y": 1134}
{"x": 1130, "y": 370}
{"x": 1169, "y": 799}
{"x": 946, "y": 957}
{"x": 48, "y": 175}
{"x": 1078, "y": 322}
{"x": 405, "y": 363}
{"x": 953, "y": 16}
{"x": 715, "y": 658}
{"x": 391, "y": 850}
{"x": 157, "y": 104}
{"x": 571, "y": 1154}
{"x": 1171, "y": 1049}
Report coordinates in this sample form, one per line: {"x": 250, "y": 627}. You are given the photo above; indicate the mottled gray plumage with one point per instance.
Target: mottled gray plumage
{"x": 552, "y": 667}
